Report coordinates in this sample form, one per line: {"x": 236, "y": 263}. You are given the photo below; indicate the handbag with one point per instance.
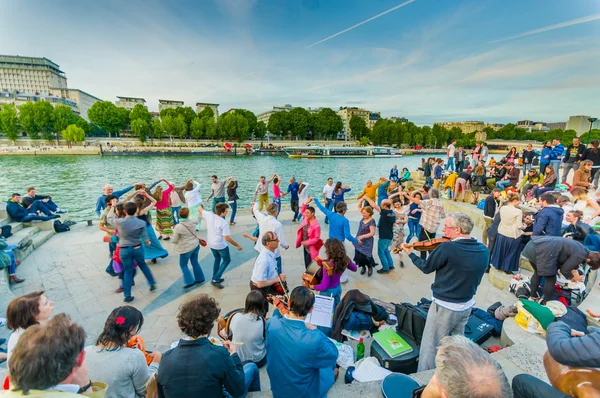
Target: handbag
{"x": 200, "y": 240}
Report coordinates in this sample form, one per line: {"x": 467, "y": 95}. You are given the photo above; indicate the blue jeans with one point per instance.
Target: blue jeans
{"x": 526, "y": 168}
{"x": 278, "y": 201}
{"x": 385, "y": 256}
{"x": 449, "y": 164}
{"x": 215, "y": 201}
{"x": 12, "y": 268}
{"x": 328, "y": 205}
{"x": 219, "y": 267}
{"x": 252, "y": 380}
{"x": 429, "y": 181}
{"x": 555, "y": 164}
{"x": 175, "y": 214}
{"x": 233, "y": 206}
{"x": 414, "y": 229}
{"x": 503, "y": 184}
{"x": 335, "y": 292}
{"x": 128, "y": 256}
{"x": 278, "y": 261}
{"x": 537, "y": 191}
{"x": 191, "y": 256}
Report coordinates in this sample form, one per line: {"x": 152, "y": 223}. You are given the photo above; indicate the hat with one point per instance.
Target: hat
{"x": 469, "y": 168}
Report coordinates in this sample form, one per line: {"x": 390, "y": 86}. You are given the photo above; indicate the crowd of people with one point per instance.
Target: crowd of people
{"x": 299, "y": 357}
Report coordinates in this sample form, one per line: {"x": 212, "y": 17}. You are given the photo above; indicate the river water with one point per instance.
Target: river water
{"x": 75, "y": 182}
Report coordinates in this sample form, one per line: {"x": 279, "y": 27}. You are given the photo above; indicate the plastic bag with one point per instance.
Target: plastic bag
{"x": 345, "y": 354}
{"x": 527, "y": 321}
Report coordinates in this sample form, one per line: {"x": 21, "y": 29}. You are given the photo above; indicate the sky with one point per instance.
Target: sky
{"x": 498, "y": 61}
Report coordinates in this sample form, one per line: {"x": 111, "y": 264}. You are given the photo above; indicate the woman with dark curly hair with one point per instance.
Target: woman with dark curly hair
{"x": 124, "y": 369}
{"x": 332, "y": 269}
{"x": 196, "y": 367}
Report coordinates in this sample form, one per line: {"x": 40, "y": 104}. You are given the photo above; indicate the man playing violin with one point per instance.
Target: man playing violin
{"x": 459, "y": 266}
{"x": 264, "y": 275}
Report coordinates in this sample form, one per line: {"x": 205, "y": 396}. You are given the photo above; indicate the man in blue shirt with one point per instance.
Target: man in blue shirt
{"x": 339, "y": 226}
{"x": 300, "y": 358}
{"x": 293, "y": 189}
{"x": 109, "y": 190}
{"x": 556, "y": 155}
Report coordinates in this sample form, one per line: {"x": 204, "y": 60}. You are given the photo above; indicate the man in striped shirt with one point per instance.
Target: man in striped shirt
{"x": 432, "y": 216}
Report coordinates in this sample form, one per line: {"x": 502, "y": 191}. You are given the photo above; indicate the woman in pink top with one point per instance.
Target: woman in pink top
{"x": 309, "y": 234}
{"x": 337, "y": 261}
{"x": 164, "y": 218}
{"x": 277, "y": 191}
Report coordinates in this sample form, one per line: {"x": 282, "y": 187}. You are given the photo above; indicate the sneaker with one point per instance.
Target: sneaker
{"x": 199, "y": 282}
{"x": 61, "y": 211}
{"x": 188, "y": 286}
{"x": 54, "y": 216}
{"x": 393, "y": 268}
{"x": 217, "y": 284}
{"x": 221, "y": 280}
{"x": 153, "y": 287}
{"x": 25, "y": 245}
{"x": 383, "y": 271}
{"x": 128, "y": 299}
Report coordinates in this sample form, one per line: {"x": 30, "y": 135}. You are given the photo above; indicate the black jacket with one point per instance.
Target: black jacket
{"x": 589, "y": 154}
{"x": 427, "y": 170}
{"x": 553, "y": 253}
{"x": 199, "y": 368}
{"x": 528, "y": 156}
{"x": 491, "y": 205}
{"x": 570, "y": 159}
{"x": 578, "y": 232}
{"x": 27, "y": 200}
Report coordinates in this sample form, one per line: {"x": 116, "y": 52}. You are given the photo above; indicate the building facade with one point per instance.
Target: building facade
{"x": 495, "y": 126}
{"x": 264, "y": 117}
{"x": 12, "y": 97}
{"x": 130, "y": 102}
{"x": 30, "y": 74}
{"x": 398, "y": 119}
{"x": 201, "y": 105}
{"x": 83, "y": 100}
{"x": 168, "y": 104}
{"x": 346, "y": 113}
{"x": 581, "y": 124}
{"x": 557, "y": 125}
{"x": 467, "y": 127}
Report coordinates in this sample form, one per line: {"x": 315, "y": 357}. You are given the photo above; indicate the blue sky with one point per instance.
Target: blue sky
{"x": 428, "y": 60}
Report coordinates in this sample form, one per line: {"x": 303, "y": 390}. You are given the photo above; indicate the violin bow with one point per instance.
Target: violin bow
{"x": 284, "y": 289}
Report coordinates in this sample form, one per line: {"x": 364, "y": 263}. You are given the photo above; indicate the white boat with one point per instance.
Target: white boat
{"x": 313, "y": 152}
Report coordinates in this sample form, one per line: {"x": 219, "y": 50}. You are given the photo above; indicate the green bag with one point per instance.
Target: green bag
{"x": 543, "y": 314}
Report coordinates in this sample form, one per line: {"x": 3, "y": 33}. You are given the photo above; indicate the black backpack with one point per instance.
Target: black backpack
{"x": 6, "y": 231}
{"x": 60, "y": 227}
{"x": 411, "y": 320}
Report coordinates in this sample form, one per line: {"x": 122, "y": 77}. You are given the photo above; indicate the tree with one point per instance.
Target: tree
{"x": 139, "y": 111}
{"x": 83, "y": 124}
{"x": 187, "y": 113}
{"x": 250, "y": 118}
{"x": 140, "y": 128}
{"x": 197, "y": 128}
{"x": 8, "y": 122}
{"x": 261, "y": 130}
{"x": 107, "y": 116}
{"x": 175, "y": 126}
{"x": 43, "y": 113}
{"x": 206, "y": 112}
{"x": 328, "y": 123}
{"x": 233, "y": 126}
{"x": 63, "y": 117}
{"x": 242, "y": 128}
{"x": 279, "y": 123}
{"x": 27, "y": 120}
{"x": 364, "y": 141}
{"x": 358, "y": 127}
{"x": 168, "y": 112}
{"x": 210, "y": 127}
{"x": 73, "y": 134}
{"x": 300, "y": 121}
{"x": 158, "y": 129}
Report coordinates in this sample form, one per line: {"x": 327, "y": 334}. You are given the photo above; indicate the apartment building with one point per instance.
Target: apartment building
{"x": 130, "y": 102}
{"x": 30, "y": 74}
{"x": 466, "y": 127}
{"x": 201, "y": 105}
{"x": 168, "y": 104}
{"x": 83, "y": 100}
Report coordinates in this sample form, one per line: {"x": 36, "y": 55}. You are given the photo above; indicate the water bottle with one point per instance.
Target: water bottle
{"x": 360, "y": 350}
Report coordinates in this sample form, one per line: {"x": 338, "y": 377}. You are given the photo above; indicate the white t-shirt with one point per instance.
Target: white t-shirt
{"x": 193, "y": 198}
{"x": 12, "y": 342}
{"x": 303, "y": 196}
{"x": 451, "y": 149}
{"x": 265, "y": 267}
{"x": 328, "y": 191}
{"x": 216, "y": 229}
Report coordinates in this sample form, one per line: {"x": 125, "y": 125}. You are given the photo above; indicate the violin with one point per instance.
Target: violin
{"x": 427, "y": 245}
{"x": 280, "y": 302}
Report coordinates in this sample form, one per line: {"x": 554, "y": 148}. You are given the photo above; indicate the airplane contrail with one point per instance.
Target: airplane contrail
{"x": 362, "y": 23}
{"x": 565, "y": 24}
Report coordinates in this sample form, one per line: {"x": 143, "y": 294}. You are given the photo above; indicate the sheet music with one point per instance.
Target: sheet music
{"x": 368, "y": 369}
{"x": 322, "y": 313}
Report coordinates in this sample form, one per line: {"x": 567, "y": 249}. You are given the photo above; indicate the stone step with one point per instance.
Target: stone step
{"x": 16, "y": 226}
{"x": 23, "y": 235}
{"x": 3, "y": 213}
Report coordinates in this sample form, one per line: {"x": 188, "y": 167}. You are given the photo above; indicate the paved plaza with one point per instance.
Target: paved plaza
{"x": 70, "y": 268}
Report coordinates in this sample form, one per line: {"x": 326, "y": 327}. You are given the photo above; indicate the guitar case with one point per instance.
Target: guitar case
{"x": 406, "y": 363}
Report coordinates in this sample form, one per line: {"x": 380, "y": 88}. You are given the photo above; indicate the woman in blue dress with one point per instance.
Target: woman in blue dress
{"x": 339, "y": 191}
{"x": 155, "y": 250}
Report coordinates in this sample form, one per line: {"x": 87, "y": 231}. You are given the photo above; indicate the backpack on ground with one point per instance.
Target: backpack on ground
{"x": 411, "y": 321}
{"x": 60, "y": 227}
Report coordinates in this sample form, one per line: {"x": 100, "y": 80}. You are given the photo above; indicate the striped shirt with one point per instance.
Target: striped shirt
{"x": 433, "y": 214}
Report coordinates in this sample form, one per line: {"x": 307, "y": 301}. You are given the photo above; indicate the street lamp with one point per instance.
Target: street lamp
{"x": 592, "y": 120}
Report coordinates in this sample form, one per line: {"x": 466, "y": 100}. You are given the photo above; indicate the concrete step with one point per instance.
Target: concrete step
{"x": 23, "y": 235}
{"x": 16, "y": 226}
{"x": 3, "y": 213}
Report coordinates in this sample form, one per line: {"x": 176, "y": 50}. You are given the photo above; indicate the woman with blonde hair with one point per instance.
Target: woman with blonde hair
{"x": 164, "y": 216}
{"x": 506, "y": 254}
{"x": 588, "y": 206}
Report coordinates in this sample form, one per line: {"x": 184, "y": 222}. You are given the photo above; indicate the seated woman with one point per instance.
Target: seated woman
{"x": 196, "y": 367}
{"x": 337, "y": 261}
{"x": 30, "y": 309}
{"x": 405, "y": 175}
{"x": 248, "y": 327}
{"x": 587, "y": 205}
{"x": 548, "y": 185}
{"x": 124, "y": 369}
{"x": 577, "y": 229}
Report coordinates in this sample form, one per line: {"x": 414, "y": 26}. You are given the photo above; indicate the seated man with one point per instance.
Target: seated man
{"x": 9, "y": 256}
{"x": 300, "y": 359}
{"x": 264, "y": 275}
{"x": 18, "y": 213}
{"x": 51, "y": 357}
{"x": 31, "y": 197}
{"x": 463, "y": 369}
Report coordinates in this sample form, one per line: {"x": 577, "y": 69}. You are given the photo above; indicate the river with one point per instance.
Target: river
{"x": 75, "y": 182}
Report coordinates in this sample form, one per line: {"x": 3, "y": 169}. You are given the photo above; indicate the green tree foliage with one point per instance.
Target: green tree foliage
{"x": 300, "y": 122}
{"x": 187, "y": 113}
{"x": 8, "y": 122}
{"x": 250, "y": 118}
{"x": 280, "y": 124}
{"x": 83, "y": 124}
{"x": 328, "y": 123}
{"x": 233, "y": 126}
{"x": 108, "y": 116}
{"x": 139, "y": 111}
{"x": 73, "y": 134}
{"x": 141, "y": 129}
{"x": 261, "y": 130}
{"x": 168, "y": 112}
{"x": 43, "y": 113}
{"x": 358, "y": 127}
{"x": 206, "y": 112}
{"x": 364, "y": 141}
{"x": 27, "y": 120}
{"x": 210, "y": 127}
{"x": 197, "y": 128}
{"x": 158, "y": 131}
{"x": 63, "y": 117}
{"x": 175, "y": 126}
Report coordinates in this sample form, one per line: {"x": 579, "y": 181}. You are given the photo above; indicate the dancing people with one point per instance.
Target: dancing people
{"x": 363, "y": 255}
{"x": 309, "y": 233}
{"x": 164, "y": 216}
{"x": 186, "y": 243}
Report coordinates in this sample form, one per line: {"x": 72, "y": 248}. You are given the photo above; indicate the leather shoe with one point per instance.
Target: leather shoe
{"x": 363, "y": 270}
{"x": 370, "y": 271}
{"x": 217, "y": 284}
{"x": 188, "y": 286}
{"x": 119, "y": 290}
{"x": 382, "y": 271}
{"x": 128, "y": 299}
{"x": 14, "y": 279}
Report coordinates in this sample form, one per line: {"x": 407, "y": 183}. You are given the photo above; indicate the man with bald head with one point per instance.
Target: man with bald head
{"x": 109, "y": 190}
